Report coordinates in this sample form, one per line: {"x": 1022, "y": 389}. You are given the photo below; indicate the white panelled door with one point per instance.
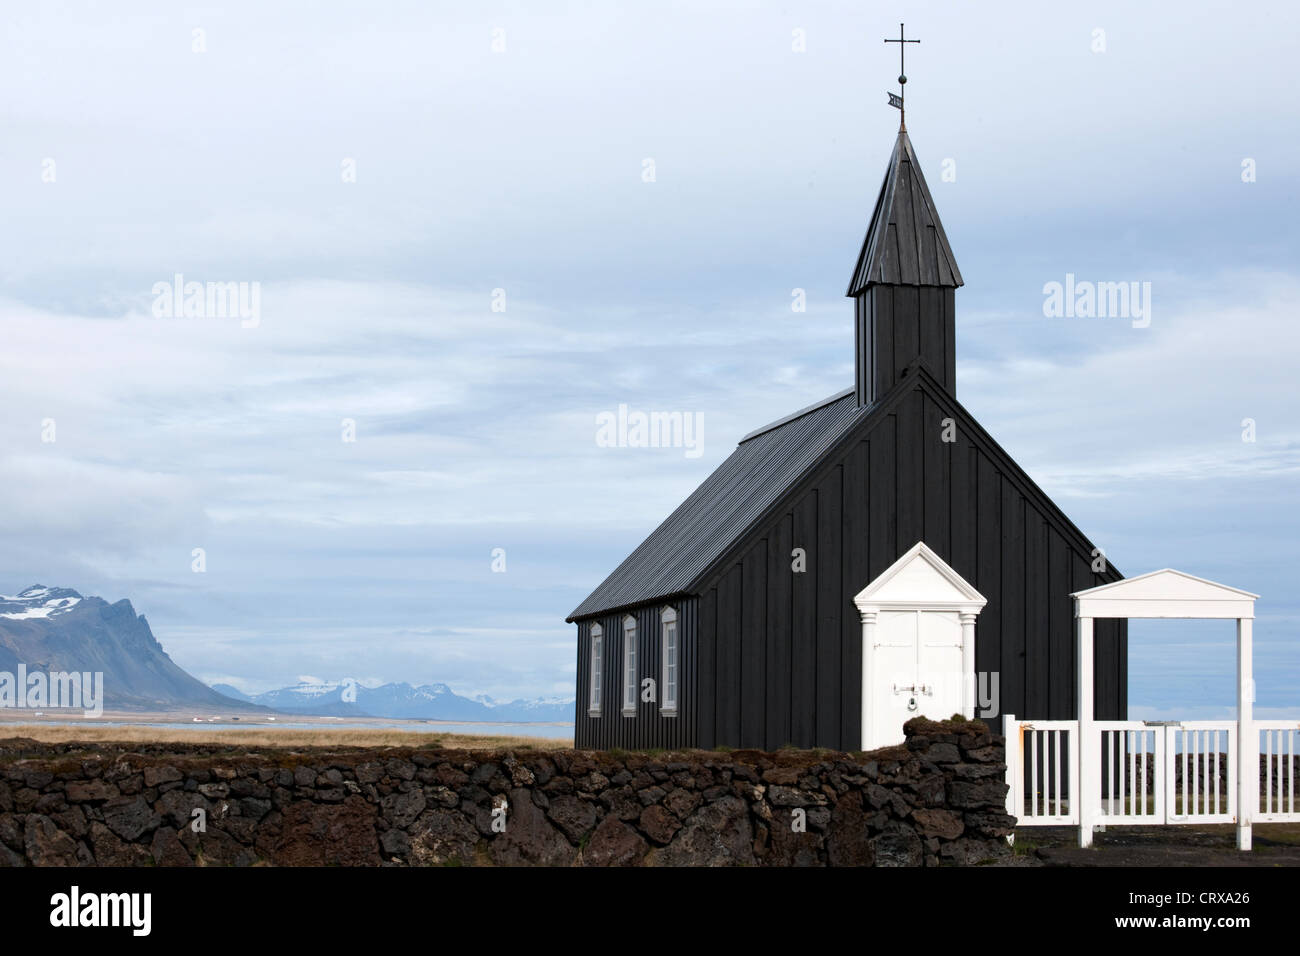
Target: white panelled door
{"x": 918, "y": 658}
{"x": 918, "y": 646}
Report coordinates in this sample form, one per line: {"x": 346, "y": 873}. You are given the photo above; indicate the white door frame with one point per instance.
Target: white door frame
{"x": 918, "y": 581}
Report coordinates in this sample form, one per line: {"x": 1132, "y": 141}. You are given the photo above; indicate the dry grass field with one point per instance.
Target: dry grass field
{"x": 287, "y": 737}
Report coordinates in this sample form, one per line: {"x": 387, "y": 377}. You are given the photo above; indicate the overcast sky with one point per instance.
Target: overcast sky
{"x": 135, "y": 148}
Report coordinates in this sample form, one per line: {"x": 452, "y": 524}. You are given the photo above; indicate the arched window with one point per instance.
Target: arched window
{"x": 672, "y": 667}
{"x": 596, "y": 662}
{"x": 629, "y": 666}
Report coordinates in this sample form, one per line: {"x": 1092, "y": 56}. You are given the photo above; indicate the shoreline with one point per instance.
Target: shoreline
{"x": 259, "y": 719}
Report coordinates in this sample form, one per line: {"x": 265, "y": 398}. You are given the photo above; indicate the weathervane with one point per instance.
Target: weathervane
{"x": 897, "y": 101}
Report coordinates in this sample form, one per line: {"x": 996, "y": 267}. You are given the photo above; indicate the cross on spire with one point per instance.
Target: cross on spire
{"x": 897, "y": 101}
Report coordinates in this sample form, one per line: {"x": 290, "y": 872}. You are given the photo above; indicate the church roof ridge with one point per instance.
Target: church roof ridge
{"x": 806, "y": 410}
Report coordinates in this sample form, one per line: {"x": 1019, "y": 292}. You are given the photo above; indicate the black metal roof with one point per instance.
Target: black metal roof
{"x": 764, "y": 466}
{"x": 905, "y": 242}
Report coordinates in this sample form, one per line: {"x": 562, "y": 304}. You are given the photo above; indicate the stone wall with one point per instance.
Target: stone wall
{"x": 938, "y": 799}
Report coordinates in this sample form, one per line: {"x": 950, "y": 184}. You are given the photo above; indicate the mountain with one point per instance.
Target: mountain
{"x": 232, "y": 692}
{"x": 56, "y": 629}
{"x": 347, "y": 698}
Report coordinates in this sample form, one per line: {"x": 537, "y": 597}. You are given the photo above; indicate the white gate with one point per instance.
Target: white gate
{"x": 1156, "y": 772}
{"x": 1167, "y": 772}
{"x": 1041, "y": 772}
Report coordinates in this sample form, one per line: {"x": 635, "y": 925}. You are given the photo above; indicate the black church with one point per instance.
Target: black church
{"x": 866, "y": 559}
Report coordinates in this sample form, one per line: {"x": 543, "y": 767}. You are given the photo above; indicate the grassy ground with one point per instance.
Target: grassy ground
{"x": 1275, "y": 844}
{"x": 287, "y": 737}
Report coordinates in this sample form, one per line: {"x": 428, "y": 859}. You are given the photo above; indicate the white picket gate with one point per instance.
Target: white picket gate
{"x": 1040, "y": 772}
{"x": 1158, "y": 772}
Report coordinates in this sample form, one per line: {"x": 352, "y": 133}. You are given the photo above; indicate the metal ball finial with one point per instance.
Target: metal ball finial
{"x": 902, "y": 79}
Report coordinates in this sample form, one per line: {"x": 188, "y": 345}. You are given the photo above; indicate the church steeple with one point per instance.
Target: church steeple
{"x": 903, "y": 283}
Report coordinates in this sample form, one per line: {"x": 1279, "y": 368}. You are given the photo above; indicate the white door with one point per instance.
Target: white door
{"x": 917, "y": 672}
{"x": 918, "y": 645}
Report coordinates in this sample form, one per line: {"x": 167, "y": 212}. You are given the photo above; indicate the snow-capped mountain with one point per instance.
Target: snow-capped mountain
{"x": 402, "y": 700}
{"x": 38, "y": 602}
{"x": 56, "y": 629}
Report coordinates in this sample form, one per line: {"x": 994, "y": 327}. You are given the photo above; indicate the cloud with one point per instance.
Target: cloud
{"x": 475, "y": 429}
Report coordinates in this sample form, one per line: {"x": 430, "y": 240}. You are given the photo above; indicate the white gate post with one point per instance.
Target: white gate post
{"x": 1087, "y": 761}
{"x": 1015, "y": 786}
{"x": 1247, "y": 738}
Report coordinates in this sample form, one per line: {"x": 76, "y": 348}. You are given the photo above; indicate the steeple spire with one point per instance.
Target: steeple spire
{"x": 905, "y": 243}
{"x": 903, "y": 284}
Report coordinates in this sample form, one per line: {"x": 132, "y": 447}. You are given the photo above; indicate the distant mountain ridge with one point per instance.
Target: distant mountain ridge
{"x": 56, "y": 629}
{"x": 400, "y": 700}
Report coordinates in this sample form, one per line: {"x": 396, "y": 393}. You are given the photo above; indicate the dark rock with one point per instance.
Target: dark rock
{"x": 178, "y": 807}
{"x": 46, "y": 845}
{"x": 91, "y": 791}
{"x": 167, "y": 850}
{"x": 130, "y": 817}
{"x": 330, "y": 778}
{"x": 682, "y": 802}
{"x": 943, "y": 753}
{"x": 111, "y": 850}
{"x": 72, "y": 821}
{"x": 10, "y": 858}
{"x": 442, "y": 838}
{"x": 153, "y": 776}
{"x": 395, "y": 842}
{"x": 216, "y": 848}
{"x": 658, "y": 824}
{"x": 938, "y": 823}
{"x": 401, "y": 809}
{"x": 529, "y": 837}
{"x": 991, "y": 823}
{"x": 573, "y": 815}
{"x": 650, "y": 795}
{"x": 11, "y": 831}
{"x": 789, "y": 848}
{"x": 897, "y": 846}
{"x": 622, "y": 803}
{"x": 400, "y": 769}
{"x": 340, "y": 834}
{"x": 847, "y": 837}
{"x": 614, "y": 843}
{"x": 964, "y": 794}
{"x": 38, "y": 779}
{"x": 718, "y": 834}
{"x": 520, "y": 775}
{"x": 254, "y": 808}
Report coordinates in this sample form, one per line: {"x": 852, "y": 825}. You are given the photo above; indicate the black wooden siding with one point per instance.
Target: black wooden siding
{"x": 780, "y": 653}
{"x": 894, "y": 326}
{"x": 648, "y": 729}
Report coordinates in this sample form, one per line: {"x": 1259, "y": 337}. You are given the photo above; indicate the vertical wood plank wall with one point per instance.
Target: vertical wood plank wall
{"x": 772, "y": 657}
{"x": 649, "y": 728}
{"x": 786, "y": 647}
